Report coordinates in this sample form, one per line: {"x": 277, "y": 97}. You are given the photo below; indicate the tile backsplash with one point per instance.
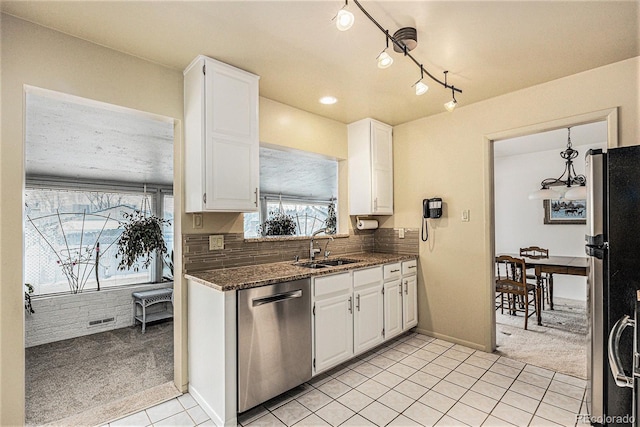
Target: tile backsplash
{"x": 240, "y": 252}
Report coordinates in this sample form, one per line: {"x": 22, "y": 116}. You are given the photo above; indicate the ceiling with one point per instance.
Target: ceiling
{"x": 490, "y": 48}
{"x": 74, "y": 138}
{"x": 587, "y": 134}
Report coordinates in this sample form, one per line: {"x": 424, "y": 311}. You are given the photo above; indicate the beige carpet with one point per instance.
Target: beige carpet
{"x": 87, "y": 374}
{"x": 559, "y": 344}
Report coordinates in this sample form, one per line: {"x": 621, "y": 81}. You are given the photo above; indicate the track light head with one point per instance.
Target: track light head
{"x": 451, "y": 105}
{"x": 421, "y": 88}
{"x": 344, "y": 19}
{"x": 384, "y": 60}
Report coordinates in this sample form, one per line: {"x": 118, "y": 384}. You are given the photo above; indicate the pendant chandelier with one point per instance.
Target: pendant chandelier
{"x": 569, "y": 185}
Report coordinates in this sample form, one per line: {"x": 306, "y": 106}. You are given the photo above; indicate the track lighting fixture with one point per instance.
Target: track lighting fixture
{"x": 344, "y": 19}
{"x": 421, "y": 87}
{"x": 451, "y": 105}
{"x": 384, "y": 60}
{"x": 404, "y": 40}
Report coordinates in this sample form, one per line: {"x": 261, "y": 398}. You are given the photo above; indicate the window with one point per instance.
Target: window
{"x": 308, "y": 215}
{"x": 65, "y": 228}
{"x": 296, "y": 183}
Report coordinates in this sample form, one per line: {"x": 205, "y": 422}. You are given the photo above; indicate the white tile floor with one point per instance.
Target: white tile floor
{"x": 414, "y": 380}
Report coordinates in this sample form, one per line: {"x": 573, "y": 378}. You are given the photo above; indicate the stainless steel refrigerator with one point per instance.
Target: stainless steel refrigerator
{"x": 613, "y": 244}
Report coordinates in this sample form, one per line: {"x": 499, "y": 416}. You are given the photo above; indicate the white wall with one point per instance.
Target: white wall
{"x": 520, "y": 221}
{"x": 450, "y": 156}
{"x": 61, "y": 317}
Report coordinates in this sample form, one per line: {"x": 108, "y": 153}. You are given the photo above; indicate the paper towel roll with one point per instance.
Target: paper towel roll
{"x": 367, "y": 224}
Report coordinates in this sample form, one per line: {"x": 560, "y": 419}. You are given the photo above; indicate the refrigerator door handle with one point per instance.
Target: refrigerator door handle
{"x": 614, "y": 352}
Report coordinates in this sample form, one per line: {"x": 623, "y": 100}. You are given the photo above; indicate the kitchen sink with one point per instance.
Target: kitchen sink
{"x": 326, "y": 263}
{"x": 334, "y": 262}
{"x": 311, "y": 265}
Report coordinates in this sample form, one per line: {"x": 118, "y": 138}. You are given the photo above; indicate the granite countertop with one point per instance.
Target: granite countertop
{"x": 230, "y": 279}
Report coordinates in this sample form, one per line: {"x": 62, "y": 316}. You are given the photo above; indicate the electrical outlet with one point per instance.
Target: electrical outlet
{"x": 216, "y": 242}
{"x": 465, "y": 215}
{"x": 400, "y": 233}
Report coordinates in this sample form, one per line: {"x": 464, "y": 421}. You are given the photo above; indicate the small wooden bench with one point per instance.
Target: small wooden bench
{"x": 145, "y": 299}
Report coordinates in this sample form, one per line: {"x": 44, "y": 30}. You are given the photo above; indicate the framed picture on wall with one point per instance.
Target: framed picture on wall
{"x": 560, "y": 211}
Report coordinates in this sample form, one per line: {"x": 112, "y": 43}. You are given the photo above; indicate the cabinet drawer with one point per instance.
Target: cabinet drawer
{"x": 391, "y": 271}
{"x": 367, "y": 276}
{"x": 326, "y": 285}
{"x": 409, "y": 267}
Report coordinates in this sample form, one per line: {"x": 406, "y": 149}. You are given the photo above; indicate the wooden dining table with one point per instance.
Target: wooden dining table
{"x": 569, "y": 265}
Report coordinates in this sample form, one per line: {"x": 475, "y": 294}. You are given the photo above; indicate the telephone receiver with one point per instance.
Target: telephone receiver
{"x": 431, "y": 208}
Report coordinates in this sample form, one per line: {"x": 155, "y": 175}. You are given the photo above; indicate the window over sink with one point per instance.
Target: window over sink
{"x": 297, "y": 184}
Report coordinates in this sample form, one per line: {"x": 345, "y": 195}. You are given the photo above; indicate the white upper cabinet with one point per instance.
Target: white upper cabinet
{"x": 221, "y": 137}
{"x": 370, "y": 168}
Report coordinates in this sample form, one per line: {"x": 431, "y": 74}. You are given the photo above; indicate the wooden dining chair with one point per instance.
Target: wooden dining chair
{"x": 511, "y": 281}
{"x": 536, "y": 252}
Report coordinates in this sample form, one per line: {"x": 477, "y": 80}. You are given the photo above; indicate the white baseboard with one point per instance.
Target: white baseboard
{"x": 209, "y": 410}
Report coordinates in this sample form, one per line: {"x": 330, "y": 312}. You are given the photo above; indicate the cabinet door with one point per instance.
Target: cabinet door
{"x": 231, "y": 181}
{"x": 382, "y": 168}
{"x": 333, "y": 322}
{"x": 392, "y": 308}
{"x": 409, "y": 302}
{"x": 232, "y": 144}
{"x": 368, "y": 319}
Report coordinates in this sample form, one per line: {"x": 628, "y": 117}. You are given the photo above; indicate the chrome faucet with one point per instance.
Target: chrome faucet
{"x": 312, "y": 249}
{"x": 326, "y": 252}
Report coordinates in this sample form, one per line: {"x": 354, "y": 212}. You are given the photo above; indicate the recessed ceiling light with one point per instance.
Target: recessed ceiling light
{"x": 328, "y": 100}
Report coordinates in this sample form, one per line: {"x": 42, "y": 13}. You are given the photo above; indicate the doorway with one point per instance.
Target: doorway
{"x": 89, "y": 164}
{"x": 521, "y": 160}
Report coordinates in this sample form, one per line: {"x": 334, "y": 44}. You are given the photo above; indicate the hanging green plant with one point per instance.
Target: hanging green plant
{"x": 141, "y": 239}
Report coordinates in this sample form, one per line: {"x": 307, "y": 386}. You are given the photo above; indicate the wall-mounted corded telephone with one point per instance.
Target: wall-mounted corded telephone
{"x": 431, "y": 208}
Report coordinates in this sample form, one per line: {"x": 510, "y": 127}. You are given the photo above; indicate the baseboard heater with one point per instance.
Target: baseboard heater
{"x": 101, "y": 321}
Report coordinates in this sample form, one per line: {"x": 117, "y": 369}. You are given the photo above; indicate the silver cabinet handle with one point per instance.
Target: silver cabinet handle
{"x": 614, "y": 352}
{"x": 350, "y": 305}
{"x": 406, "y": 287}
{"x": 358, "y": 302}
{"x": 276, "y": 298}
{"x": 256, "y": 193}
{"x": 400, "y": 289}
{"x": 412, "y": 266}
{"x": 394, "y": 271}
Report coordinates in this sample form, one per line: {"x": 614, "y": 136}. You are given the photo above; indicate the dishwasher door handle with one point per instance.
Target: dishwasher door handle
{"x": 276, "y": 298}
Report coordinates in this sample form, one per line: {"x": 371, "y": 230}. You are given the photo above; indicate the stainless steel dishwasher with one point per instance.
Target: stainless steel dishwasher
{"x": 274, "y": 340}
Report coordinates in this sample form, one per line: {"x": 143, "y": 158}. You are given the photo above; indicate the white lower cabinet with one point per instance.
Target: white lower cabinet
{"x": 392, "y": 308}
{"x": 368, "y": 320}
{"x": 409, "y": 295}
{"x": 355, "y": 311}
{"x": 332, "y": 320}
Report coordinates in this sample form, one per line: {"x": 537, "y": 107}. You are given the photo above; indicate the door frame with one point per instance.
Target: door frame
{"x": 609, "y": 115}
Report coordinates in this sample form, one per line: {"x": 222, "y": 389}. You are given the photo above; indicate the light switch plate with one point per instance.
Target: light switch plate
{"x": 216, "y": 242}
{"x": 197, "y": 220}
{"x": 465, "y": 215}
{"x": 400, "y": 233}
